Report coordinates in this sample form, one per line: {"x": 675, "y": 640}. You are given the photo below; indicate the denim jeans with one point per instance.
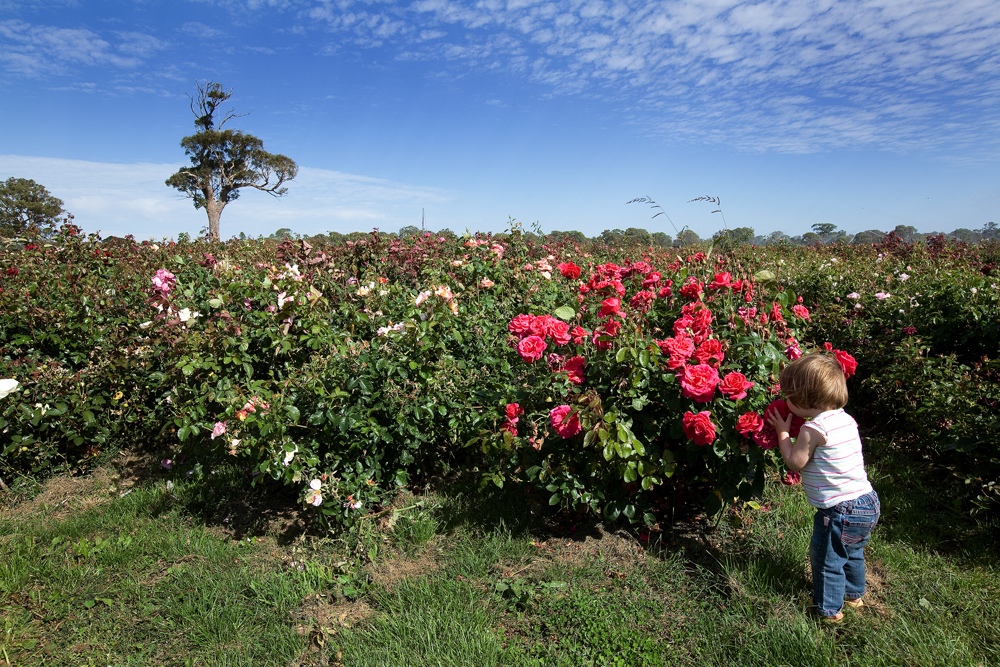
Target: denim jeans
{"x": 840, "y": 534}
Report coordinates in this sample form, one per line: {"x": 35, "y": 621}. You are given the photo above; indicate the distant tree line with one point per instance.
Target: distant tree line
{"x": 822, "y": 233}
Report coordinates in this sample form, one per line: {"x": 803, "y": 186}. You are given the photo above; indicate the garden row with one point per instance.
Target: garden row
{"x": 605, "y": 379}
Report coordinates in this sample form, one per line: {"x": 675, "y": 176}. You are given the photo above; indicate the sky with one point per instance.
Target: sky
{"x": 862, "y": 113}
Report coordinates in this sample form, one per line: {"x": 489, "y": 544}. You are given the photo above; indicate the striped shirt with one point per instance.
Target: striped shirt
{"x": 836, "y": 471}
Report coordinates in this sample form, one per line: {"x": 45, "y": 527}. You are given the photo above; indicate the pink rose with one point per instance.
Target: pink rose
{"x": 734, "y": 386}
{"x": 699, "y": 382}
{"x": 531, "y": 348}
{"x": 699, "y": 427}
{"x": 793, "y": 351}
{"x": 579, "y": 335}
{"x": 652, "y": 278}
{"x": 513, "y": 411}
{"x": 565, "y": 424}
{"x": 220, "y": 428}
{"x": 766, "y": 438}
{"x": 510, "y": 426}
{"x": 791, "y": 478}
{"x": 801, "y": 311}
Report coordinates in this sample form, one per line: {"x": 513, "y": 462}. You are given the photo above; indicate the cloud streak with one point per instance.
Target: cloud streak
{"x": 786, "y": 75}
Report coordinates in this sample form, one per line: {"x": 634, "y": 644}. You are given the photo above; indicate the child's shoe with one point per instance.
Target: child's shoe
{"x": 854, "y": 604}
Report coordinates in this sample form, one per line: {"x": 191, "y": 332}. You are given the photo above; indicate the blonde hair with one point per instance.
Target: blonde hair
{"x": 815, "y": 382}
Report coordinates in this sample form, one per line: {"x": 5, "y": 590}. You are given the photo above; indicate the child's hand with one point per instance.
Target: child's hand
{"x": 781, "y": 425}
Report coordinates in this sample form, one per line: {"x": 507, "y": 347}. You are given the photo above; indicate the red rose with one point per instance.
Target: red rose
{"x": 766, "y": 438}
{"x": 682, "y": 325}
{"x": 652, "y": 278}
{"x": 749, "y": 423}
{"x": 610, "y": 306}
{"x": 513, "y": 410}
{"x": 540, "y": 325}
{"x": 612, "y": 327}
{"x": 531, "y": 348}
{"x": 566, "y": 424}
{"x": 783, "y": 410}
{"x": 510, "y": 426}
{"x": 663, "y": 293}
{"x": 574, "y": 369}
{"x": 569, "y": 270}
{"x": 641, "y": 301}
{"x": 776, "y": 313}
{"x": 521, "y": 325}
{"x": 735, "y": 386}
{"x": 710, "y": 349}
{"x": 847, "y": 362}
{"x": 579, "y": 335}
{"x": 801, "y": 311}
{"x": 791, "y": 478}
{"x": 699, "y": 427}
{"x": 692, "y": 289}
{"x": 721, "y": 280}
{"x": 559, "y": 332}
{"x": 679, "y": 345}
{"x": 701, "y": 327}
{"x": 699, "y": 382}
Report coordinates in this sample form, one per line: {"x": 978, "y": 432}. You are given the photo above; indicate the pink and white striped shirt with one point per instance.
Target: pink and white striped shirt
{"x": 836, "y": 471}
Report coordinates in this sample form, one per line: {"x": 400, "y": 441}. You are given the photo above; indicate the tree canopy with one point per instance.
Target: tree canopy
{"x": 223, "y": 161}
{"x": 26, "y": 207}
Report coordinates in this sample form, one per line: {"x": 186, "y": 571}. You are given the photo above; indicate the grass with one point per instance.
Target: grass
{"x": 192, "y": 577}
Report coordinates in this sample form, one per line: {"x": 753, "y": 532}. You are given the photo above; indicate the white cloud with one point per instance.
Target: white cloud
{"x": 38, "y": 50}
{"x": 723, "y": 68}
{"x": 120, "y": 199}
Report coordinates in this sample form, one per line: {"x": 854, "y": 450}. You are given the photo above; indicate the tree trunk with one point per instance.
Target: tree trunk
{"x": 214, "y": 209}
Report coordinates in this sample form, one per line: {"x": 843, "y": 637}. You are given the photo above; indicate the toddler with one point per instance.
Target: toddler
{"x": 828, "y": 454}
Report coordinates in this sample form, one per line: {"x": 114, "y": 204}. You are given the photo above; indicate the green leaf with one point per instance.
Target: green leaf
{"x": 611, "y": 511}
{"x": 215, "y": 303}
{"x": 610, "y": 417}
{"x": 622, "y": 353}
{"x": 293, "y": 412}
{"x": 639, "y": 448}
{"x": 644, "y": 358}
{"x": 764, "y": 276}
{"x": 649, "y": 519}
{"x": 629, "y": 511}
{"x": 565, "y": 313}
{"x": 554, "y": 499}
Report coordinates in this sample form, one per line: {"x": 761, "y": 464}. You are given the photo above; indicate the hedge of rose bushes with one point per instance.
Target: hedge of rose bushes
{"x": 604, "y": 377}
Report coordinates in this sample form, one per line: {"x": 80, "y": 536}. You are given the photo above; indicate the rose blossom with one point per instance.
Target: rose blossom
{"x": 569, "y": 270}
{"x": 734, "y": 386}
{"x": 846, "y": 361}
{"x": 699, "y": 382}
{"x": 513, "y": 410}
{"x": 612, "y": 327}
{"x": 791, "y": 478}
{"x": 486, "y": 282}
{"x": 699, "y": 427}
{"x": 579, "y": 335}
{"x": 220, "y": 428}
{"x": 801, "y": 311}
{"x": 559, "y": 332}
{"x": 641, "y": 301}
{"x": 709, "y": 350}
{"x": 531, "y": 348}
{"x": 610, "y": 306}
{"x": 692, "y": 289}
{"x": 565, "y": 424}
{"x": 749, "y": 423}
{"x": 573, "y": 368}
{"x": 782, "y": 408}
{"x": 521, "y": 324}
{"x": 854, "y": 295}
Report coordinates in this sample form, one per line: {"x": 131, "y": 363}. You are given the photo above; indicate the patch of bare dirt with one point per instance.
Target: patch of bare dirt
{"x": 390, "y": 571}
{"x": 320, "y": 618}
{"x": 62, "y": 494}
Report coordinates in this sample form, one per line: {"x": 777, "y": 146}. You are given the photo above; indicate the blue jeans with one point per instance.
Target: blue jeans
{"x": 836, "y": 551}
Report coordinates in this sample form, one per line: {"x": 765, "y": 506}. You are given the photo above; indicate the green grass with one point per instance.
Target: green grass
{"x": 197, "y": 576}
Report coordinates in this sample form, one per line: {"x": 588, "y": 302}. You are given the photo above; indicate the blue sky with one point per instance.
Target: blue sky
{"x": 866, "y": 114}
